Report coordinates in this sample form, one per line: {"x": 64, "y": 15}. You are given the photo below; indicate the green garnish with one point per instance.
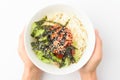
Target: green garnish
{"x": 67, "y": 23}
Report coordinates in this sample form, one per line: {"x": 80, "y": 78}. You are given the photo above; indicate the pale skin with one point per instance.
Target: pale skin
{"x": 87, "y": 72}
{"x": 31, "y": 72}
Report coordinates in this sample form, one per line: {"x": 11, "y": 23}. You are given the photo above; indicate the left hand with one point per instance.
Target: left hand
{"x": 31, "y": 72}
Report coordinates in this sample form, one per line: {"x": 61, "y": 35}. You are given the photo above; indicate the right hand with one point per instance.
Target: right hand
{"x": 95, "y": 59}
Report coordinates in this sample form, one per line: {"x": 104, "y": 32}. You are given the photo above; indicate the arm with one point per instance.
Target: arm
{"x": 31, "y": 72}
{"x": 88, "y": 71}
{"x": 88, "y": 76}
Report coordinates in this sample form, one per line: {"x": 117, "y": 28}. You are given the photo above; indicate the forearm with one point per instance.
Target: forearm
{"x": 31, "y": 73}
{"x": 88, "y": 76}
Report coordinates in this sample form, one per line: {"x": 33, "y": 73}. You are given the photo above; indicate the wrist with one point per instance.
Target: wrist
{"x": 88, "y": 75}
{"x": 31, "y": 73}
{"x": 30, "y": 67}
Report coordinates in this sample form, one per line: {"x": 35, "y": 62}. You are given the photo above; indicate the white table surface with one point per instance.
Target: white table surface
{"x": 104, "y": 14}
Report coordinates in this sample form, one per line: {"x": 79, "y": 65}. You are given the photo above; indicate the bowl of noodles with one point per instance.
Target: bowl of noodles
{"x": 59, "y": 39}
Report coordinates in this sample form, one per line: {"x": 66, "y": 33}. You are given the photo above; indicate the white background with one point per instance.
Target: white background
{"x": 104, "y": 14}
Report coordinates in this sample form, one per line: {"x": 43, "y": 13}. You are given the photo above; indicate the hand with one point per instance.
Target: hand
{"x": 90, "y": 68}
{"x": 31, "y": 72}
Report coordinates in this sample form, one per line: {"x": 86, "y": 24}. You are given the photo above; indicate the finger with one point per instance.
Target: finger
{"x": 21, "y": 40}
{"x": 98, "y": 45}
{"x": 21, "y": 44}
{"x": 98, "y": 36}
{"x": 22, "y": 34}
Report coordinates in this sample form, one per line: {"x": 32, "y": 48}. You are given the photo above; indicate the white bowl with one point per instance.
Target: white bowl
{"x": 51, "y": 68}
